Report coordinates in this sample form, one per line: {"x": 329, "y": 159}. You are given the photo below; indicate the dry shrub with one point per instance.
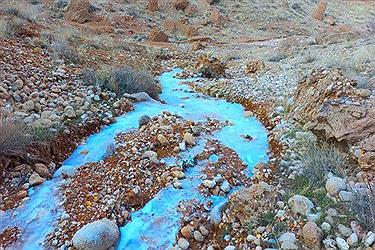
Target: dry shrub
{"x": 23, "y": 11}
{"x": 363, "y": 206}
{"x": 64, "y": 50}
{"x": 11, "y": 27}
{"x": 318, "y": 161}
{"x": 13, "y": 138}
{"x": 123, "y": 80}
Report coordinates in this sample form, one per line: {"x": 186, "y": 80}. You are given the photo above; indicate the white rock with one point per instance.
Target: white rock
{"x": 335, "y": 184}
{"x": 209, "y": 183}
{"x": 326, "y": 227}
{"x": 183, "y": 243}
{"x": 344, "y": 231}
{"x": 370, "y": 238}
{"x": 291, "y": 237}
{"x": 341, "y": 244}
{"x": 97, "y": 235}
{"x": 352, "y": 240}
{"x": 300, "y": 204}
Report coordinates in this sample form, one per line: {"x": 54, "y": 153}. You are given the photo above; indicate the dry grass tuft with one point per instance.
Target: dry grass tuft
{"x": 318, "y": 161}
{"x": 13, "y": 138}
{"x": 123, "y": 80}
{"x": 363, "y": 206}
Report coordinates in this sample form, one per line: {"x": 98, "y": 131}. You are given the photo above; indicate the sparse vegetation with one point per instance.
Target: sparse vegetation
{"x": 123, "y": 80}
{"x": 13, "y": 138}
{"x": 318, "y": 161}
{"x": 20, "y": 10}
{"x": 11, "y": 27}
{"x": 363, "y": 206}
{"x": 63, "y": 49}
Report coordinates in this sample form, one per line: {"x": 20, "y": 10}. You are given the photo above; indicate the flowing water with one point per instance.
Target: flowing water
{"x": 155, "y": 226}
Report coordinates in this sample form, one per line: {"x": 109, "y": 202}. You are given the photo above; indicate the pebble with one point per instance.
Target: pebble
{"x": 341, "y": 244}
{"x": 198, "y": 236}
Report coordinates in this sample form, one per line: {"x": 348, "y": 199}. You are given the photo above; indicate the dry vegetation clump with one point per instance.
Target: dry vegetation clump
{"x": 63, "y": 49}
{"x": 23, "y": 11}
{"x": 318, "y": 161}
{"x": 363, "y": 206}
{"x": 14, "y": 138}
{"x": 123, "y": 80}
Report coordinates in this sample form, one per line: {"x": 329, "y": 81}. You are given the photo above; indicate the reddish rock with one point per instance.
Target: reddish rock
{"x": 80, "y": 11}
{"x": 216, "y": 17}
{"x": 210, "y": 67}
{"x": 254, "y": 66}
{"x": 42, "y": 170}
{"x": 158, "y": 36}
{"x": 312, "y": 235}
{"x": 153, "y": 5}
{"x": 330, "y": 105}
{"x": 320, "y": 11}
{"x": 180, "y": 4}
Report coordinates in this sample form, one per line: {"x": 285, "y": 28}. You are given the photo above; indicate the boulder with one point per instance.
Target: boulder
{"x": 189, "y": 139}
{"x": 42, "y": 170}
{"x": 254, "y": 66}
{"x": 330, "y": 105}
{"x": 180, "y": 4}
{"x": 80, "y": 11}
{"x": 335, "y": 184}
{"x": 97, "y": 235}
{"x": 210, "y": 67}
{"x": 312, "y": 235}
{"x": 300, "y": 204}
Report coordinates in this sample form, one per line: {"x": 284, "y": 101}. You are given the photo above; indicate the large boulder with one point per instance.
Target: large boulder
{"x": 97, "y": 235}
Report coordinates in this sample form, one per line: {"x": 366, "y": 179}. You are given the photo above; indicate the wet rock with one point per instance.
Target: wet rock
{"x": 21, "y": 194}
{"x": 183, "y": 243}
{"x": 300, "y": 204}
{"x": 143, "y": 120}
{"x": 216, "y": 212}
{"x": 335, "y": 184}
{"x": 312, "y": 234}
{"x": 35, "y": 179}
{"x": 225, "y": 186}
{"x": 97, "y": 235}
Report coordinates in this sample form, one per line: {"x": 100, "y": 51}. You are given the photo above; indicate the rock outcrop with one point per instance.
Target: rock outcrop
{"x": 333, "y": 107}
{"x": 210, "y": 67}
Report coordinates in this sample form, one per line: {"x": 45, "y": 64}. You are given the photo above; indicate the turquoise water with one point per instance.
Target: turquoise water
{"x": 155, "y": 226}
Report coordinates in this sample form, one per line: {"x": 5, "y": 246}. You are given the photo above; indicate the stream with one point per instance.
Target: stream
{"x": 156, "y": 225}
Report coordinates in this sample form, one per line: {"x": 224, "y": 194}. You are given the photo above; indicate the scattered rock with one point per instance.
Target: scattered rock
{"x": 341, "y": 244}
{"x": 183, "y": 243}
{"x": 143, "y": 120}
